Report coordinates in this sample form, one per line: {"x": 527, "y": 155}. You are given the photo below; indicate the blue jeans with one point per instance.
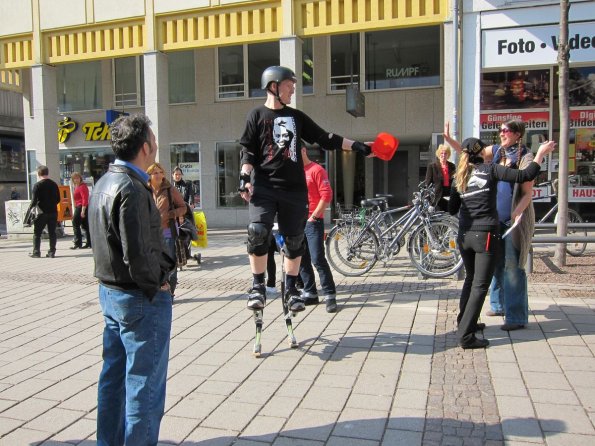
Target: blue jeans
{"x": 314, "y": 255}
{"x": 131, "y": 395}
{"x": 170, "y": 244}
{"x": 508, "y": 291}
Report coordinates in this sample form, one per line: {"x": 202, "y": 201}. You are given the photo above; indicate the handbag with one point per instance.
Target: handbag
{"x": 188, "y": 227}
{"x": 181, "y": 259}
{"x": 32, "y": 214}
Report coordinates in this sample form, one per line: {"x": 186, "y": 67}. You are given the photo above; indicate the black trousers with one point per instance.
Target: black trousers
{"x": 479, "y": 251}
{"x": 77, "y": 222}
{"x": 43, "y": 220}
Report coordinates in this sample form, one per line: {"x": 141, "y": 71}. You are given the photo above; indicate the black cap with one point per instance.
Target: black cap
{"x": 473, "y": 146}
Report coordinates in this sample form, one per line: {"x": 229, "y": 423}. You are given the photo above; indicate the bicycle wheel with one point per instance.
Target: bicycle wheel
{"x": 350, "y": 254}
{"x": 433, "y": 248}
{"x": 575, "y": 249}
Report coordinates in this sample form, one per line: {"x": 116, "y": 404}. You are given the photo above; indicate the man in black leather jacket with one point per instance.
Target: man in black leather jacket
{"x": 133, "y": 270}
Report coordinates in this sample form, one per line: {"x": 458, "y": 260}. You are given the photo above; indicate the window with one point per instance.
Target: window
{"x": 231, "y": 72}
{"x": 128, "y": 82}
{"x": 241, "y": 67}
{"x": 260, "y": 57}
{"x": 307, "y": 67}
{"x": 89, "y": 162}
{"x": 186, "y": 156}
{"x": 344, "y": 61}
{"x": 228, "y": 172}
{"x": 181, "y": 77}
{"x": 241, "y": 63}
{"x": 78, "y": 86}
{"x": 402, "y": 58}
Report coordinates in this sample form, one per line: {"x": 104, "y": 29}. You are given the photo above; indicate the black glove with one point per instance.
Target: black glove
{"x": 244, "y": 178}
{"x": 361, "y": 148}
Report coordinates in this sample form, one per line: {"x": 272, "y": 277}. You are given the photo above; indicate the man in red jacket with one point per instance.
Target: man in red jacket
{"x": 320, "y": 194}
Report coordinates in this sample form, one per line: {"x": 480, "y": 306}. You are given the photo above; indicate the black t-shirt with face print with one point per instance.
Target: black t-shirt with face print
{"x": 272, "y": 143}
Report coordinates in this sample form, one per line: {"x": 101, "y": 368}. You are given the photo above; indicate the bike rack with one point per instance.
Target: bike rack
{"x": 557, "y": 239}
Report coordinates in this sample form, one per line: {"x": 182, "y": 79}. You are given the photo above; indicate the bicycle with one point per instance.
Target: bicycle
{"x": 574, "y": 249}
{"x": 356, "y": 243}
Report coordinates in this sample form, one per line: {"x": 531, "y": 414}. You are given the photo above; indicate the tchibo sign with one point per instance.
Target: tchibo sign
{"x": 536, "y": 45}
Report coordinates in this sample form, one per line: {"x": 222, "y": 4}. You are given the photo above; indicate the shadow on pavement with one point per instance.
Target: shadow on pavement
{"x": 392, "y": 431}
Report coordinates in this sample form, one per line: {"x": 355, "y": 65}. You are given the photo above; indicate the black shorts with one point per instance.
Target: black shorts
{"x": 290, "y": 207}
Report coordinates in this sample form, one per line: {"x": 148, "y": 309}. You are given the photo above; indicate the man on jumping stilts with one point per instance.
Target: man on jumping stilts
{"x": 272, "y": 180}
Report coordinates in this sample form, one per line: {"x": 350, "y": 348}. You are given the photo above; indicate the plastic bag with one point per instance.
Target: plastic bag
{"x": 201, "y": 225}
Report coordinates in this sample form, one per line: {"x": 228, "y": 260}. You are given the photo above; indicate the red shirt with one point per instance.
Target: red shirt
{"x": 445, "y": 178}
{"x": 81, "y": 195}
{"x": 319, "y": 186}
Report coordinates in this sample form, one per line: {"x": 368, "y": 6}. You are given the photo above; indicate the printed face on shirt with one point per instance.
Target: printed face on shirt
{"x": 283, "y": 135}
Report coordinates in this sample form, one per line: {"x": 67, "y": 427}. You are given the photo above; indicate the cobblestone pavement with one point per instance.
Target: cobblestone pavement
{"x": 384, "y": 370}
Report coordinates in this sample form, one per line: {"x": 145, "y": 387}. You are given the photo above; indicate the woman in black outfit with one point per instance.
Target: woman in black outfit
{"x": 440, "y": 174}
{"x": 474, "y": 195}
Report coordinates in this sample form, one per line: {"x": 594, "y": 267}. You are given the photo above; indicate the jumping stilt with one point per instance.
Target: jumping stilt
{"x": 286, "y": 312}
{"x": 258, "y": 321}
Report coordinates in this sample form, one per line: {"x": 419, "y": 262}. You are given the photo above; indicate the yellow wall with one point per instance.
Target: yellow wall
{"x": 77, "y": 30}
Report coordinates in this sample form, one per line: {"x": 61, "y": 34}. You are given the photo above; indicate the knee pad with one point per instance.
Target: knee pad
{"x": 258, "y": 239}
{"x": 294, "y": 246}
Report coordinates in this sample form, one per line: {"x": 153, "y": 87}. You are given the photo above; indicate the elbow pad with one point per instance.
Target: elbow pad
{"x": 330, "y": 141}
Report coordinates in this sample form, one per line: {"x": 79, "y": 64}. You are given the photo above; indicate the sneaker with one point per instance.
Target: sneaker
{"x": 256, "y": 298}
{"x": 35, "y": 255}
{"x": 51, "y": 254}
{"x": 494, "y": 313}
{"x": 310, "y": 298}
{"x": 512, "y": 327}
{"x": 331, "y": 303}
{"x": 271, "y": 290}
{"x": 295, "y": 302}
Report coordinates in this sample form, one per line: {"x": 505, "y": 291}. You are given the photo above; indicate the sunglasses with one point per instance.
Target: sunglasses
{"x": 505, "y": 130}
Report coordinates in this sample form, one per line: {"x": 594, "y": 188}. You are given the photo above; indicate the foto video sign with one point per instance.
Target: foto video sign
{"x": 536, "y": 45}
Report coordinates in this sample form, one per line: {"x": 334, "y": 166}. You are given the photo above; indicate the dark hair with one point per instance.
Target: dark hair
{"x": 43, "y": 171}
{"x": 129, "y": 133}
{"x": 516, "y": 126}
{"x": 176, "y": 169}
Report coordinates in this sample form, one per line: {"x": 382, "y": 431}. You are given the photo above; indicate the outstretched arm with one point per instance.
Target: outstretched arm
{"x": 450, "y": 140}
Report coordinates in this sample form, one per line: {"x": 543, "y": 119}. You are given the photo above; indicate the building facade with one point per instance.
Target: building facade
{"x": 194, "y": 66}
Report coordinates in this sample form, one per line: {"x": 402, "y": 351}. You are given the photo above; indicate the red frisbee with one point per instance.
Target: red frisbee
{"x": 384, "y": 146}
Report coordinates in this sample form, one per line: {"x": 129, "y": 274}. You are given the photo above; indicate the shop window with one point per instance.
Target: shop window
{"x": 78, "y": 86}
{"x": 515, "y": 90}
{"x": 228, "y": 172}
{"x": 186, "y": 156}
{"x": 128, "y": 81}
{"x": 402, "y": 58}
{"x": 182, "y": 79}
{"x": 12, "y": 159}
{"x": 345, "y": 67}
{"x": 90, "y": 163}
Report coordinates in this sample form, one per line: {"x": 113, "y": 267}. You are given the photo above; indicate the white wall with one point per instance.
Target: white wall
{"x": 163, "y": 6}
{"x": 16, "y": 17}
{"x": 118, "y": 9}
{"x": 61, "y": 13}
